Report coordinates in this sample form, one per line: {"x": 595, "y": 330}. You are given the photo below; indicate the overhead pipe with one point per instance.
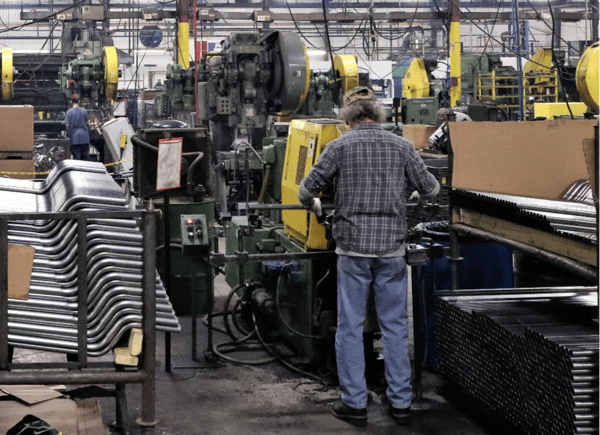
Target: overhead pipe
{"x": 517, "y": 49}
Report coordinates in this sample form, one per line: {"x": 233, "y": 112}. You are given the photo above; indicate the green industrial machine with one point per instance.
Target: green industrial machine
{"x": 292, "y": 298}
{"x": 190, "y": 280}
{"x": 253, "y": 76}
{"x": 420, "y": 93}
{"x": 273, "y": 157}
{"x": 93, "y": 75}
{"x": 292, "y": 295}
{"x": 420, "y": 110}
{"x": 178, "y": 100}
{"x": 327, "y": 88}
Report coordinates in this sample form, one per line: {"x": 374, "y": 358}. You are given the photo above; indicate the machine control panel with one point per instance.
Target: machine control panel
{"x": 194, "y": 234}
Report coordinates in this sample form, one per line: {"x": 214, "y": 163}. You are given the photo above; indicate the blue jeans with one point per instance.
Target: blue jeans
{"x": 81, "y": 151}
{"x": 388, "y": 277}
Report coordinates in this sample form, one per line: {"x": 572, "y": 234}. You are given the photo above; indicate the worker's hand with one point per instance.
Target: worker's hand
{"x": 415, "y": 197}
{"x": 316, "y": 207}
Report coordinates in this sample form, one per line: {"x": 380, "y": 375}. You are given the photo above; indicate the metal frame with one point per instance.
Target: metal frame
{"x": 103, "y": 372}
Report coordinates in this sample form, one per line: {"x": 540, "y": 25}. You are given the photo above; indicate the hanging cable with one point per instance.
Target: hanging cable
{"x": 282, "y": 361}
{"x": 39, "y": 20}
{"x": 491, "y": 31}
{"x": 551, "y": 27}
{"x": 287, "y": 325}
{"x": 327, "y": 33}
{"x": 238, "y": 344}
{"x": 562, "y": 86}
{"x": 297, "y": 27}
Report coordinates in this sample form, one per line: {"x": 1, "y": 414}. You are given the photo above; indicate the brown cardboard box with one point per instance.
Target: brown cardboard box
{"x": 418, "y": 134}
{"x": 20, "y": 266}
{"x": 30, "y": 394}
{"x": 16, "y": 128}
{"x": 17, "y": 168}
{"x": 538, "y": 159}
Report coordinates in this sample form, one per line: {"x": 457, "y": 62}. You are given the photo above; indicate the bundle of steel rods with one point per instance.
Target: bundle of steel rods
{"x": 48, "y": 318}
{"x": 563, "y": 218}
{"x": 530, "y": 354}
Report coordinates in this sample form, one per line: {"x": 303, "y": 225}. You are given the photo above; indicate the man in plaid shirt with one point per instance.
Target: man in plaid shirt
{"x": 370, "y": 169}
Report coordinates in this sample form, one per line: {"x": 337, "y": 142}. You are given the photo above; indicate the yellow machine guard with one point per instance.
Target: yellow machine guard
{"x": 347, "y": 68}
{"x": 586, "y": 77}
{"x": 416, "y": 82}
{"x": 110, "y": 60}
{"x": 306, "y": 141}
{"x": 7, "y": 74}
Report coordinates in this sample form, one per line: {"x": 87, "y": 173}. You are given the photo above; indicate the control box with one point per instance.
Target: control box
{"x": 194, "y": 235}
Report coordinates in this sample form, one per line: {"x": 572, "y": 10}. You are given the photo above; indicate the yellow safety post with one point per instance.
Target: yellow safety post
{"x": 455, "y": 49}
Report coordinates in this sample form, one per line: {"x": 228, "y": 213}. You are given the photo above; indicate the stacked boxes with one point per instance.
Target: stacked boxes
{"x": 16, "y": 142}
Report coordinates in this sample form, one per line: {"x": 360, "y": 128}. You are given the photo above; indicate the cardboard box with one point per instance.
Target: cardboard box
{"x": 17, "y": 168}
{"x": 20, "y": 266}
{"x": 30, "y": 394}
{"x": 539, "y": 159}
{"x": 418, "y": 134}
{"x": 16, "y": 128}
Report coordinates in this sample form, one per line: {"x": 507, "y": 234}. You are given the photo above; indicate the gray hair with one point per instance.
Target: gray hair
{"x": 361, "y": 110}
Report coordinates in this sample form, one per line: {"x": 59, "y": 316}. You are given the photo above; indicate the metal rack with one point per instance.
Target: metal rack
{"x": 83, "y": 371}
{"x": 503, "y": 89}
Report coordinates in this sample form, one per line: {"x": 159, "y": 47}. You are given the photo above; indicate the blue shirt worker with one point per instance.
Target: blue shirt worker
{"x": 370, "y": 169}
{"x": 76, "y": 121}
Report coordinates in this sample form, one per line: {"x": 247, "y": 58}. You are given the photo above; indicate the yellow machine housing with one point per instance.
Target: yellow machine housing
{"x": 540, "y": 62}
{"x": 306, "y": 140}
{"x": 346, "y": 65}
{"x": 7, "y": 74}
{"x": 586, "y": 77}
{"x": 110, "y": 60}
{"x": 416, "y": 81}
{"x": 551, "y": 110}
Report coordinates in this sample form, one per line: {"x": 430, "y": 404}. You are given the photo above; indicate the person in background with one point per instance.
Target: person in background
{"x": 76, "y": 121}
{"x": 439, "y": 139}
{"x": 370, "y": 168}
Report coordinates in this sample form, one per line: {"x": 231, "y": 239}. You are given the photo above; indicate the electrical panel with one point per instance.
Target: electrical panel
{"x": 194, "y": 234}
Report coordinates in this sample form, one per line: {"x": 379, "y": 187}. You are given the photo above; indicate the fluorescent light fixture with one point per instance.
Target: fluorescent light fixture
{"x": 316, "y": 52}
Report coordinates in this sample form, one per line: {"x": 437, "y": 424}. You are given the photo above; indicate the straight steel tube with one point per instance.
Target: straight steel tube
{"x": 596, "y": 188}
{"x": 82, "y": 294}
{"x": 149, "y": 320}
{"x": 3, "y": 293}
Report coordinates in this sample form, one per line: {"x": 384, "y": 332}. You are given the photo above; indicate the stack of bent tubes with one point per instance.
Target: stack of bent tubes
{"x": 47, "y": 319}
{"x": 530, "y": 354}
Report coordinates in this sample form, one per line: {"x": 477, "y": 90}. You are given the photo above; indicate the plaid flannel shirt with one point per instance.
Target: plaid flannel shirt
{"x": 370, "y": 168}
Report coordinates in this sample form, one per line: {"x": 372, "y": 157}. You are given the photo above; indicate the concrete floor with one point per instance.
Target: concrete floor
{"x": 202, "y": 398}
{"x": 269, "y": 399}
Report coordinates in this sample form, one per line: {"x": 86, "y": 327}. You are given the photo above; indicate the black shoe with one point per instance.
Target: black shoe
{"x": 400, "y": 415}
{"x": 356, "y": 417}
